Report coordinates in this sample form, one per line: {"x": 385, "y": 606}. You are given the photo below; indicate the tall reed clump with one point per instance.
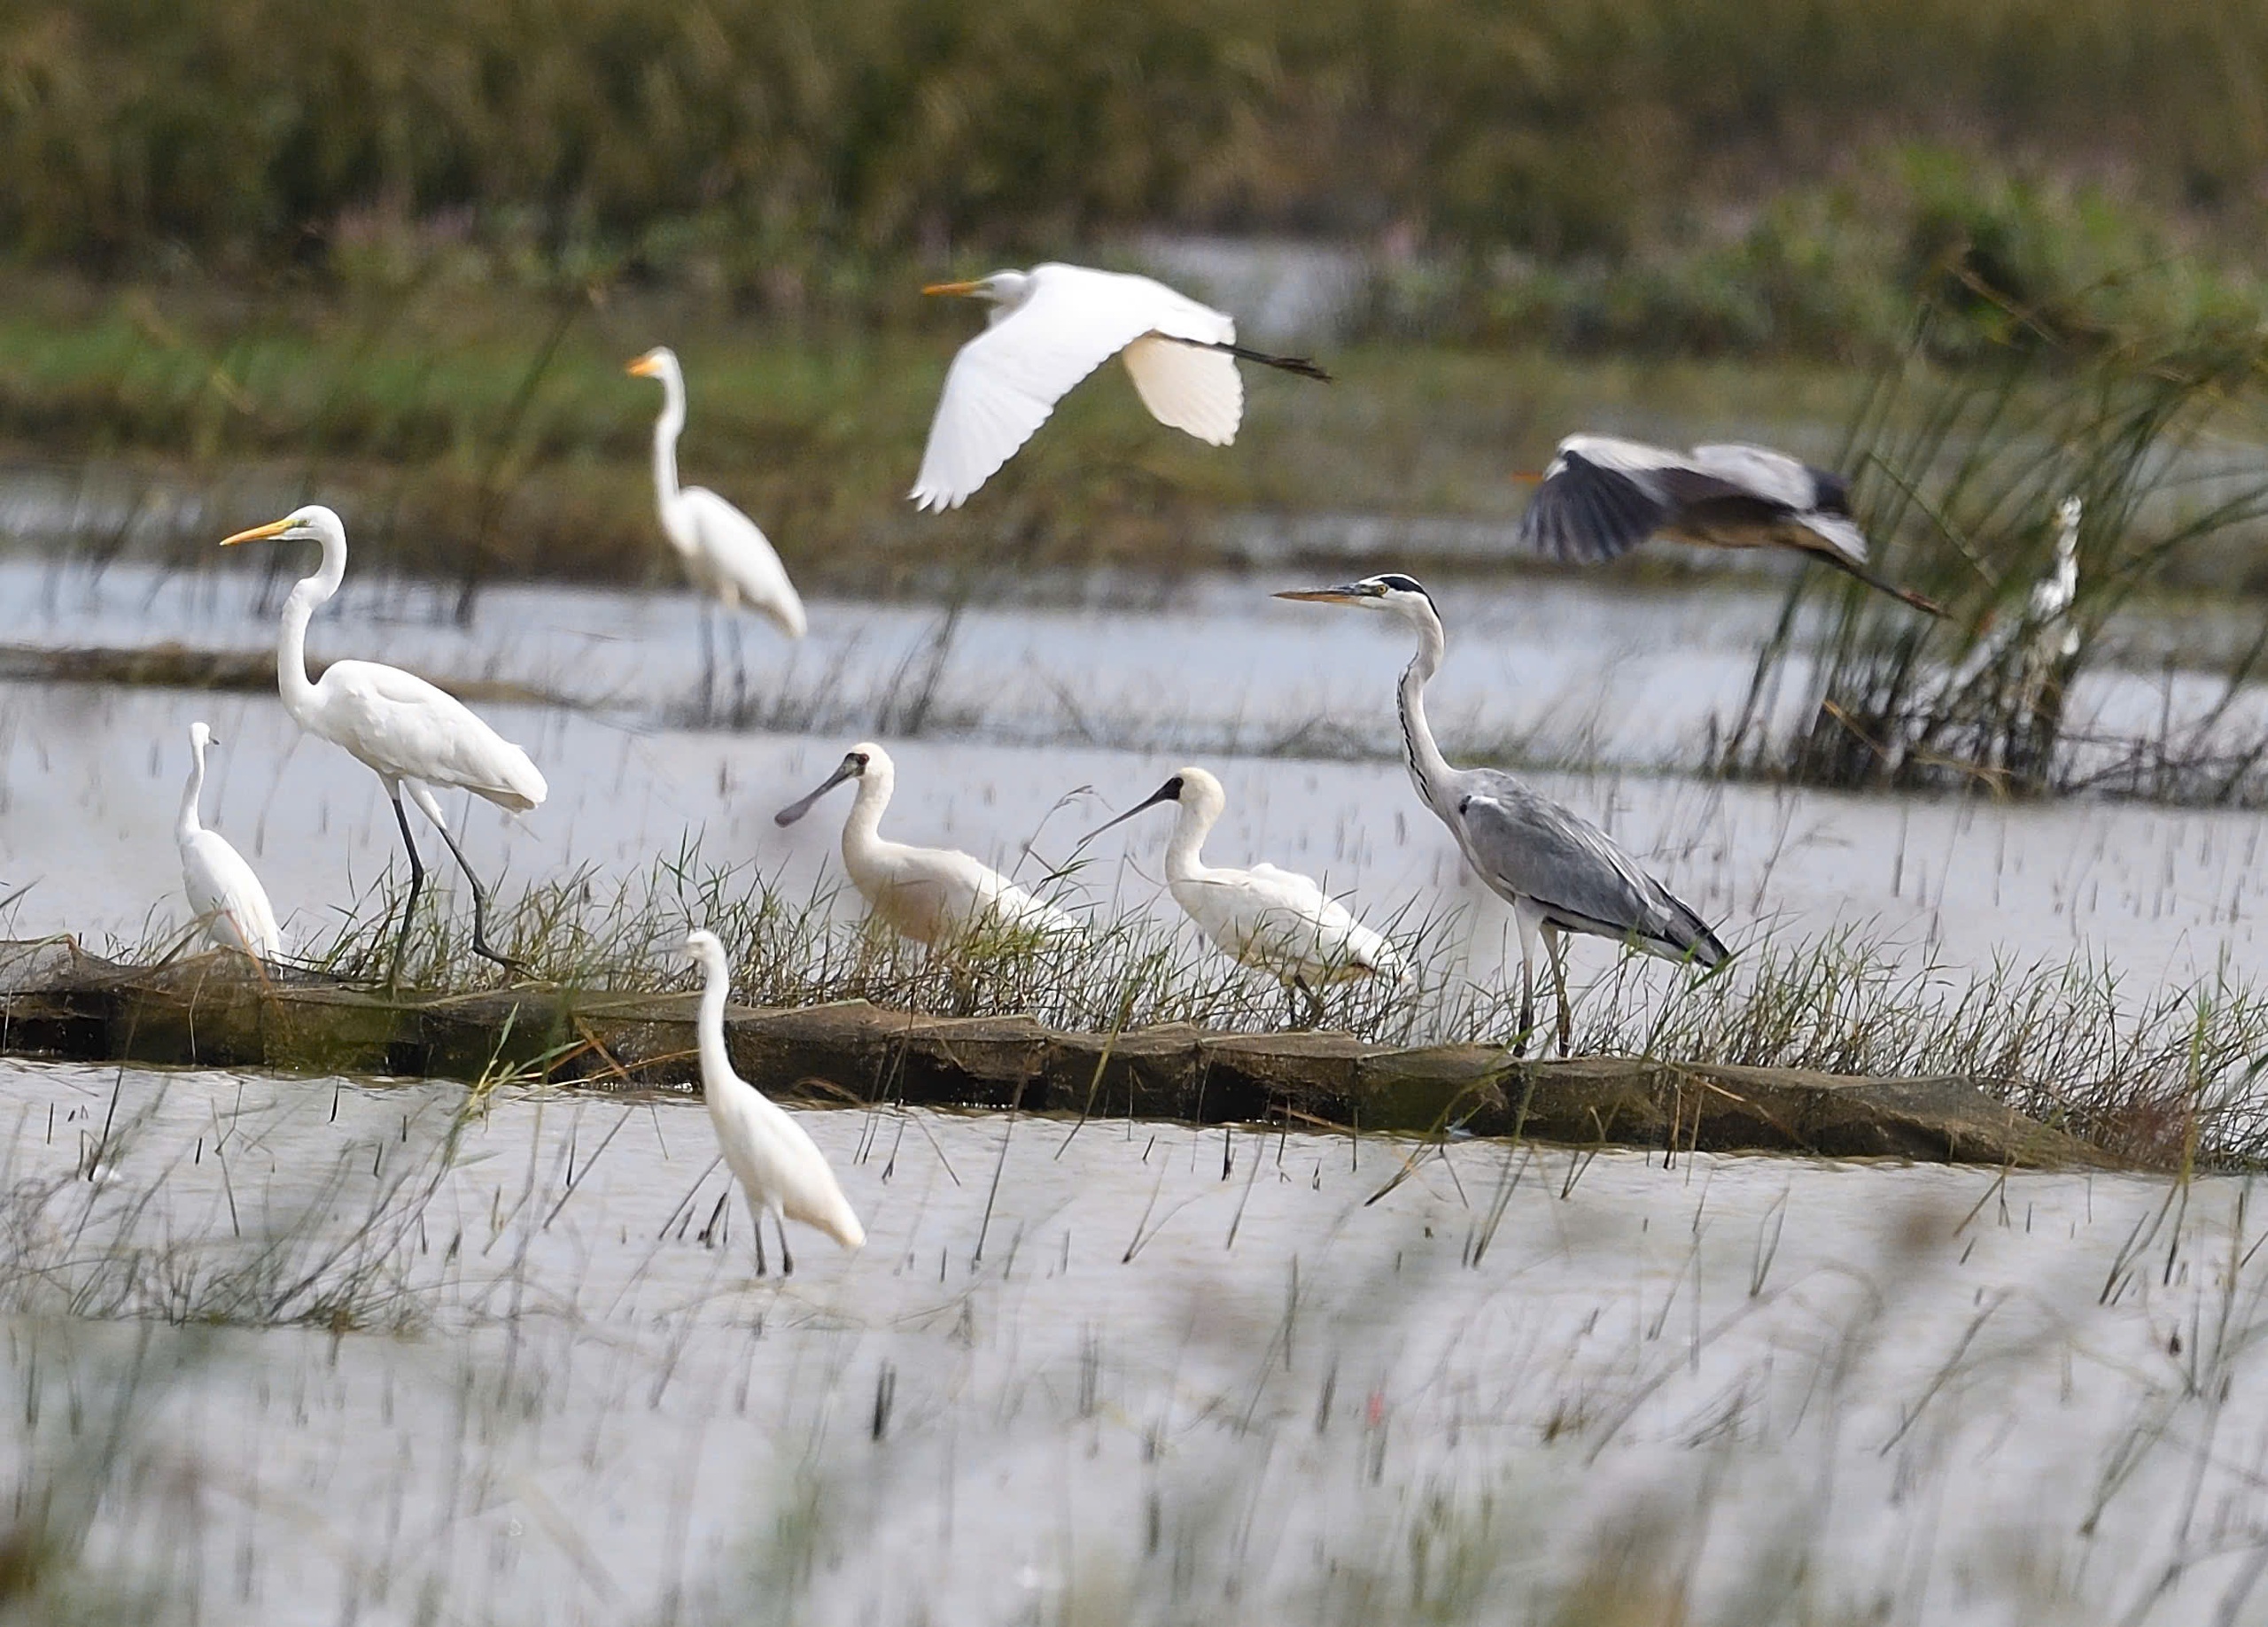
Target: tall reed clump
{"x": 1969, "y": 474}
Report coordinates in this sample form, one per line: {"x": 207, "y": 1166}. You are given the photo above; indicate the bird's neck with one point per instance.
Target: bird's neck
{"x": 1185, "y": 852}
{"x": 291, "y": 680}
{"x": 187, "y": 825}
{"x": 666, "y": 429}
{"x": 716, "y": 1066}
{"x": 1428, "y": 769}
{"x": 862, "y": 831}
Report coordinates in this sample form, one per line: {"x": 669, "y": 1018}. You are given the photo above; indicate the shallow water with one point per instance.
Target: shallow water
{"x": 1120, "y": 1371}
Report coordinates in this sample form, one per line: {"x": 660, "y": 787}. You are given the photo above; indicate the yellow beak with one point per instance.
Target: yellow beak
{"x": 952, "y": 287}
{"x": 258, "y": 533}
{"x": 645, "y": 366}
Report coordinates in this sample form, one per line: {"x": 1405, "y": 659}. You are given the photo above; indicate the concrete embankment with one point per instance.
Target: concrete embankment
{"x": 217, "y": 1010}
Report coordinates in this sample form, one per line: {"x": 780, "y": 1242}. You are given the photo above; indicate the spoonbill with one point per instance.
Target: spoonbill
{"x": 781, "y": 1171}
{"x": 930, "y": 894}
{"x": 725, "y": 555}
{"x": 1601, "y": 497}
{"x": 1560, "y": 872}
{"x": 1049, "y": 327}
{"x": 411, "y": 734}
{"x": 229, "y": 902}
{"x": 1275, "y": 920}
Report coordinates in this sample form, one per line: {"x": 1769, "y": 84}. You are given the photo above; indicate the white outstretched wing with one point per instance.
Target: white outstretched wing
{"x": 1188, "y": 388}
{"x": 1007, "y": 380}
{"x": 741, "y": 561}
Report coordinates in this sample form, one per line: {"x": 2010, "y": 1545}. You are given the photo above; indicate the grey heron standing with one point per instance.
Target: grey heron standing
{"x": 1601, "y": 497}
{"x": 1560, "y": 872}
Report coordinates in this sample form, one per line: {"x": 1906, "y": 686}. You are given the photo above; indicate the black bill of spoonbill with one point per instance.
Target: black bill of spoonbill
{"x": 1048, "y": 328}
{"x": 412, "y": 735}
{"x": 1559, "y": 872}
{"x": 781, "y": 1170}
{"x": 1603, "y": 496}
{"x": 227, "y": 897}
{"x": 930, "y": 894}
{"x": 1275, "y": 920}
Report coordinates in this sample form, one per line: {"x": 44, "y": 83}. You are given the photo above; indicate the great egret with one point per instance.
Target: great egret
{"x": 1275, "y": 920}
{"x": 404, "y": 729}
{"x": 1048, "y": 328}
{"x": 930, "y": 895}
{"x": 1558, "y": 871}
{"x": 780, "y": 1171}
{"x": 725, "y": 555}
{"x": 1601, "y": 497}
{"x": 229, "y": 903}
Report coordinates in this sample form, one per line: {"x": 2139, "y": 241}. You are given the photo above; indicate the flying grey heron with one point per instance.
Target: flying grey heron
{"x": 1560, "y": 872}
{"x": 1601, "y": 497}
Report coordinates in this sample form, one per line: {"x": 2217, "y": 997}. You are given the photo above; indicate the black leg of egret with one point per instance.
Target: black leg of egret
{"x": 740, "y": 670}
{"x": 762, "y": 1269}
{"x": 708, "y": 663}
{"x": 480, "y": 901}
{"x": 1557, "y": 951}
{"x": 787, "y": 1260}
{"x": 409, "y": 905}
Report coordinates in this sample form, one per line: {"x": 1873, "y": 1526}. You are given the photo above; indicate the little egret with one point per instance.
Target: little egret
{"x": 930, "y": 895}
{"x": 229, "y": 902}
{"x": 1275, "y": 920}
{"x": 1601, "y": 497}
{"x": 728, "y": 558}
{"x": 404, "y": 729}
{"x": 1558, "y": 871}
{"x": 1048, "y": 328}
{"x": 782, "y": 1172}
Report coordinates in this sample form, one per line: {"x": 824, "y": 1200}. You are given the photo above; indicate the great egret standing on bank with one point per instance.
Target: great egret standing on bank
{"x": 404, "y": 729}
{"x": 727, "y": 556}
{"x": 229, "y": 902}
{"x": 1601, "y": 497}
{"x": 1275, "y": 920}
{"x": 781, "y": 1171}
{"x": 930, "y": 895}
{"x": 1048, "y": 328}
{"x": 1558, "y": 871}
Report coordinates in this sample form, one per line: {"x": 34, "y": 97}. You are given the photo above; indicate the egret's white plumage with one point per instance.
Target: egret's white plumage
{"x": 411, "y": 734}
{"x": 227, "y": 897}
{"x": 1275, "y": 920}
{"x": 1560, "y": 872}
{"x": 1049, "y": 327}
{"x": 930, "y": 895}
{"x": 1603, "y": 496}
{"x": 726, "y": 555}
{"x": 781, "y": 1171}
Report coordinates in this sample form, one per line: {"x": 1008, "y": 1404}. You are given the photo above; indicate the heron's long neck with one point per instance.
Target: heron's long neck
{"x": 666, "y": 429}
{"x": 716, "y": 1066}
{"x": 291, "y": 680}
{"x": 187, "y": 825}
{"x": 1427, "y": 767}
{"x": 1185, "y": 853}
{"x": 862, "y": 831}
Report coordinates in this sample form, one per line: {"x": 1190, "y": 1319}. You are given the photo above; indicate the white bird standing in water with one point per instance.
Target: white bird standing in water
{"x": 1275, "y": 920}
{"x": 1558, "y": 871}
{"x": 726, "y": 553}
{"x": 930, "y": 895}
{"x": 229, "y": 902}
{"x": 1049, "y": 327}
{"x": 407, "y": 732}
{"x": 781, "y": 1171}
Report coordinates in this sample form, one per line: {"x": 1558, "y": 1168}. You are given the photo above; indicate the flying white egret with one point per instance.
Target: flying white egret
{"x": 229, "y": 902}
{"x": 1559, "y": 871}
{"x": 404, "y": 729}
{"x": 1601, "y": 497}
{"x": 728, "y": 558}
{"x": 1048, "y": 328}
{"x": 780, "y": 1171}
{"x": 930, "y": 895}
{"x": 1275, "y": 920}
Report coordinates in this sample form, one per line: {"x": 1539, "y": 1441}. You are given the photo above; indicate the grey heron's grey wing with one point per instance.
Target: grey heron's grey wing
{"x": 1532, "y": 848}
{"x": 1588, "y": 511}
{"x": 1773, "y": 476}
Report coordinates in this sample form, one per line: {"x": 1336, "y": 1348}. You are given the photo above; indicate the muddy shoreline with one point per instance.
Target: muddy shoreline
{"x": 216, "y": 1010}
